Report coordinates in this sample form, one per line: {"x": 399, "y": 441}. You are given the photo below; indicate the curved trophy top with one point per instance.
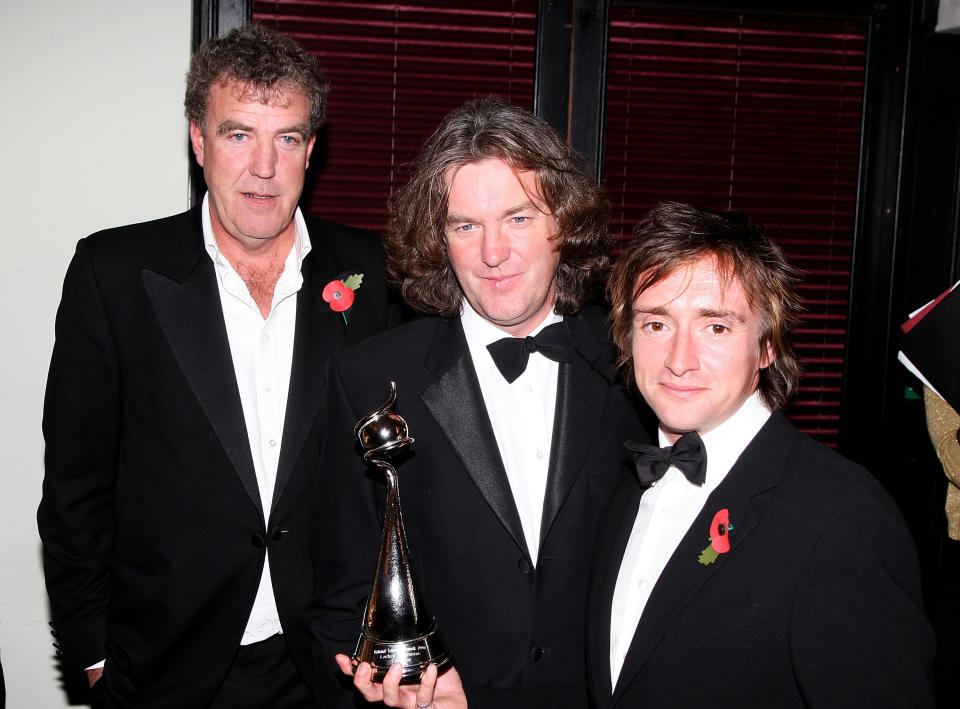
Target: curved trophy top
{"x": 383, "y": 432}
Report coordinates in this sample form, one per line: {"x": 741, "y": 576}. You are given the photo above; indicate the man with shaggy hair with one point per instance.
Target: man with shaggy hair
{"x": 510, "y": 391}
{"x": 181, "y": 406}
{"x": 751, "y": 566}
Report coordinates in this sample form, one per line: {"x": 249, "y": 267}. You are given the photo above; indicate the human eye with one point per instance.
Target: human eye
{"x": 465, "y": 228}
{"x": 290, "y": 141}
{"x": 718, "y": 328}
{"x": 653, "y": 326}
{"x": 519, "y": 219}
{"x": 237, "y": 137}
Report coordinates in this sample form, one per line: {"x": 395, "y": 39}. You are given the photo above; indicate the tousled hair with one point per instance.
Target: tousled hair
{"x": 264, "y": 64}
{"x": 675, "y": 235}
{"x": 482, "y": 129}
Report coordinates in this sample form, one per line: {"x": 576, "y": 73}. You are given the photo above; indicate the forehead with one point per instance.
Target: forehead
{"x": 488, "y": 179}
{"x": 699, "y": 286}
{"x": 232, "y": 94}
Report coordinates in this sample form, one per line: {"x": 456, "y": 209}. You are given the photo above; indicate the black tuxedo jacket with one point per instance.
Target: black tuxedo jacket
{"x": 516, "y": 627}
{"x": 154, "y": 537}
{"x": 817, "y": 603}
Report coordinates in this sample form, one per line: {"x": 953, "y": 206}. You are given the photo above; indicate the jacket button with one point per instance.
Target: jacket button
{"x": 537, "y": 652}
{"x": 275, "y": 534}
{"x": 523, "y": 565}
{"x": 257, "y": 540}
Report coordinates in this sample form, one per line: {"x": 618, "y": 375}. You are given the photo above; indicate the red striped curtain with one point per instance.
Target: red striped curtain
{"x": 753, "y": 112}
{"x": 395, "y": 70}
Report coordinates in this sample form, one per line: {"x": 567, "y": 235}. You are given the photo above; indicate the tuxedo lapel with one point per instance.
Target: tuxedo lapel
{"x": 611, "y": 546}
{"x": 320, "y": 332}
{"x": 757, "y": 470}
{"x": 456, "y": 403}
{"x": 187, "y": 304}
{"x": 582, "y": 389}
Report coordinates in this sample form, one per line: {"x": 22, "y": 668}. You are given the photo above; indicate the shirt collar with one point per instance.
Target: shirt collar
{"x": 726, "y": 442}
{"x": 481, "y": 332}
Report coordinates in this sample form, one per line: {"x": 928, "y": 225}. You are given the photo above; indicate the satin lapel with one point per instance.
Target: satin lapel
{"x": 582, "y": 390}
{"x": 187, "y": 305}
{"x": 610, "y": 549}
{"x": 758, "y": 469}
{"x": 455, "y": 401}
{"x": 320, "y": 333}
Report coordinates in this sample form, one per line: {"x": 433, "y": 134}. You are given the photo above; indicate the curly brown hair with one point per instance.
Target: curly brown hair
{"x": 674, "y": 235}
{"x": 264, "y": 63}
{"x": 479, "y": 130}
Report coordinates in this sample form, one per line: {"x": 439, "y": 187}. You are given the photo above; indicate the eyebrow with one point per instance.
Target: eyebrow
{"x": 522, "y": 207}
{"x": 703, "y": 313}
{"x": 231, "y": 126}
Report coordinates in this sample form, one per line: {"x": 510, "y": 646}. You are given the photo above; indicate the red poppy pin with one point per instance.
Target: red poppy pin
{"x": 720, "y": 529}
{"x": 339, "y": 293}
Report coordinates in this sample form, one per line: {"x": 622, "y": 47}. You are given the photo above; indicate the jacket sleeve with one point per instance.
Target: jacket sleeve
{"x": 81, "y": 428}
{"x": 858, "y": 633}
{"x": 345, "y": 543}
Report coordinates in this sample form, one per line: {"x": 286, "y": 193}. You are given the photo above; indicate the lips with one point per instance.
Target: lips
{"x": 258, "y": 197}
{"x": 681, "y": 391}
{"x": 500, "y": 281}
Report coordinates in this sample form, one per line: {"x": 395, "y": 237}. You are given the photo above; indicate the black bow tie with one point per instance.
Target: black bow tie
{"x": 511, "y": 353}
{"x": 688, "y": 455}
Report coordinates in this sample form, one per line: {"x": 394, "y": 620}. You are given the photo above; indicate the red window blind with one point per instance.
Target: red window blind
{"x": 395, "y": 70}
{"x": 753, "y": 112}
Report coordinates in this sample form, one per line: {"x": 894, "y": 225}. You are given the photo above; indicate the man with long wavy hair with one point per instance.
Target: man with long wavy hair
{"x": 509, "y": 387}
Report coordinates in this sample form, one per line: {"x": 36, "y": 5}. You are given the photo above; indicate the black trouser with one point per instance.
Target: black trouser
{"x": 263, "y": 676}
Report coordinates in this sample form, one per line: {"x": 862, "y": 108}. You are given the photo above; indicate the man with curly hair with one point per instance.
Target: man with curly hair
{"x": 181, "y": 444}
{"x": 509, "y": 388}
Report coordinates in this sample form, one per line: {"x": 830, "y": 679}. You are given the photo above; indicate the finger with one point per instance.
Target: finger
{"x": 428, "y": 684}
{"x": 345, "y": 665}
{"x": 392, "y": 695}
{"x": 362, "y": 680}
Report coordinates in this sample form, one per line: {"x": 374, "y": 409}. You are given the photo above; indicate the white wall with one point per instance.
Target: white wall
{"x": 948, "y": 16}
{"x": 92, "y": 135}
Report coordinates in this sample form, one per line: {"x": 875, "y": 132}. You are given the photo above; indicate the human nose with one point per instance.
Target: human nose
{"x": 495, "y": 249}
{"x": 682, "y": 354}
{"x": 263, "y": 161}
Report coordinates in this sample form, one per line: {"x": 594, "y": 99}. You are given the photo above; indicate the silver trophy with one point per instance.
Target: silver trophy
{"x": 397, "y": 624}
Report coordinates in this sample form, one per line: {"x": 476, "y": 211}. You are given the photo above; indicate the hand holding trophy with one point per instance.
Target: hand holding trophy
{"x": 397, "y": 623}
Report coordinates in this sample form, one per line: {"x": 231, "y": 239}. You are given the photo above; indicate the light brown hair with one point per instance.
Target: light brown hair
{"x": 675, "y": 235}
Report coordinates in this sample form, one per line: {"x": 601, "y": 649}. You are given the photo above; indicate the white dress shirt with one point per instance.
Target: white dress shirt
{"x": 665, "y": 514}
{"x": 521, "y": 413}
{"x": 262, "y": 352}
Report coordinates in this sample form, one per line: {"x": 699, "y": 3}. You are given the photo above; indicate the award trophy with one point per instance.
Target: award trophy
{"x": 397, "y": 624}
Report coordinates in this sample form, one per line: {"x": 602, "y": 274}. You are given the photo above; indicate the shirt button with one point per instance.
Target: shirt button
{"x": 273, "y": 442}
{"x": 266, "y": 336}
{"x": 528, "y": 389}
{"x": 539, "y": 455}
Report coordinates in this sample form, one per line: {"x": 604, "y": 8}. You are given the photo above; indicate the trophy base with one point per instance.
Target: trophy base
{"x": 415, "y": 655}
